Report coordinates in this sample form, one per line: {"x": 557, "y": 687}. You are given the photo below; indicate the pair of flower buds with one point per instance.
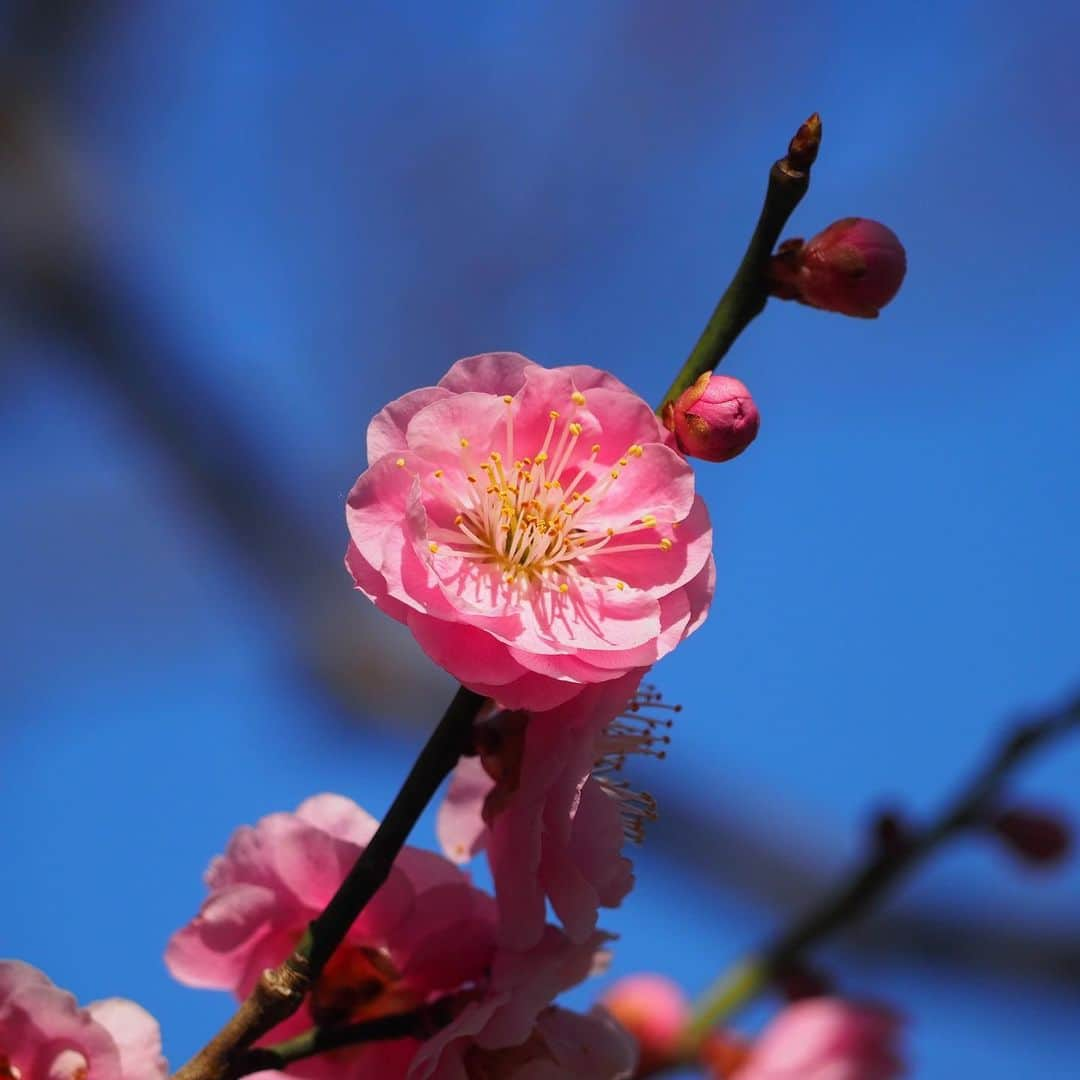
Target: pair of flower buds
{"x": 855, "y": 267}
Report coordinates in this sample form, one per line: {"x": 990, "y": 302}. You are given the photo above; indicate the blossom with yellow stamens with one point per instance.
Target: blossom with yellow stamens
{"x": 522, "y": 522}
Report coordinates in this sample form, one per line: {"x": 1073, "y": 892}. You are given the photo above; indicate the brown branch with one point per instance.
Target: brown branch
{"x": 417, "y": 1023}
{"x": 281, "y": 990}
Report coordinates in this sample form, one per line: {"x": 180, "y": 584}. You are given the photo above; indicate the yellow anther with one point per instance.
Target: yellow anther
{"x": 611, "y": 532}
{"x": 433, "y": 547}
{"x": 676, "y": 524}
{"x": 614, "y": 474}
{"x": 508, "y": 399}
{"x": 496, "y": 456}
{"x": 649, "y": 520}
{"x": 564, "y": 587}
{"x": 438, "y": 474}
{"x": 665, "y": 544}
{"x": 471, "y": 478}
{"x": 586, "y": 498}
{"x": 459, "y": 519}
{"x": 575, "y": 428}
{"x": 623, "y": 462}
{"x": 464, "y": 442}
{"x": 595, "y": 448}
{"x": 577, "y": 397}
{"x": 553, "y": 415}
{"x": 620, "y": 585}
{"x": 548, "y": 485}
{"x": 541, "y": 457}
{"x": 636, "y": 450}
{"x": 400, "y": 463}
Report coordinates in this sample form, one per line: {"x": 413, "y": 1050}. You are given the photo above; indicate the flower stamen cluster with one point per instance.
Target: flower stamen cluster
{"x": 534, "y": 517}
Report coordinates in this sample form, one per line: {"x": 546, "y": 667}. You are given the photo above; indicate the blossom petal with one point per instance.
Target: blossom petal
{"x": 490, "y": 373}
{"x": 386, "y": 432}
{"x": 136, "y": 1034}
{"x": 459, "y": 825}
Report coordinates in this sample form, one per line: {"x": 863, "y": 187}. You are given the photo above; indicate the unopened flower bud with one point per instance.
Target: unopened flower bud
{"x": 715, "y": 419}
{"x": 1038, "y": 837}
{"x": 855, "y": 267}
{"x": 654, "y": 1010}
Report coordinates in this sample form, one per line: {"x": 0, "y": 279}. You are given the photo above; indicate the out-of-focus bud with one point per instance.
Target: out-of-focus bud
{"x": 855, "y": 267}
{"x": 654, "y": 1010}
{"x": 715, "y": 419}
{"x": 823, "y": 1038}
{"x": 1038, "y": 837}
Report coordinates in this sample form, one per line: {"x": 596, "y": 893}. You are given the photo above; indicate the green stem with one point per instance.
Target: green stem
{"x": 883, "y": 868}
{"x": 320, "y": 1040}
{"x": 745, "y": 297}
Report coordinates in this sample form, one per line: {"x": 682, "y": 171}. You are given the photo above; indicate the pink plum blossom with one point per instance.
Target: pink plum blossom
{"x": 511, "y": 1032}
{"x": 45, "y": 1035}
{"x": 426, "y": 932}
{"x": 542, "y": 800}
{"x": 655, "y": 1011}
{"x": 827, "y": 1039}
{"x": 533, "y": 527}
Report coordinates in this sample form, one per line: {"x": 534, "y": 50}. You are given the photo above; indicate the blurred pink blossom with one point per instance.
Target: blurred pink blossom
{"x": 534, "y": 528}
{"x": 655, "y": 1011}
{"x": 827, "y": 1039}
{"x": 541, "y": 798}
{"x": 45, "y": 1035}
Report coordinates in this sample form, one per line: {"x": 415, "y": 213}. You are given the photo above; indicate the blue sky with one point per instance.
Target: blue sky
{"x": 315, "y": 211}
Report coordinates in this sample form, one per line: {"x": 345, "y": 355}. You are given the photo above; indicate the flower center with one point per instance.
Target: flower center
{"x": 533, "y": 517}
{"x": 358, "y": 983}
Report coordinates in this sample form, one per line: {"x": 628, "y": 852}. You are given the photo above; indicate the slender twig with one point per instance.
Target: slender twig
{"x": 417, "y": 1023}
{"x": 745, "y": 297}
{"x": 280, "y": 991}
{"x": 883, "y": 868}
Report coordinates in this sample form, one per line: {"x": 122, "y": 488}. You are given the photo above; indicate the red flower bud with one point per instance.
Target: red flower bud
{"x": 1038, "y": 837}
{"x": 715, "y": 419}
{"x": 855, "y": 267}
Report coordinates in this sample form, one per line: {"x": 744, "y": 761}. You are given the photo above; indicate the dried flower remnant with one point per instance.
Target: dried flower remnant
{"x": 546, "y": 800}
